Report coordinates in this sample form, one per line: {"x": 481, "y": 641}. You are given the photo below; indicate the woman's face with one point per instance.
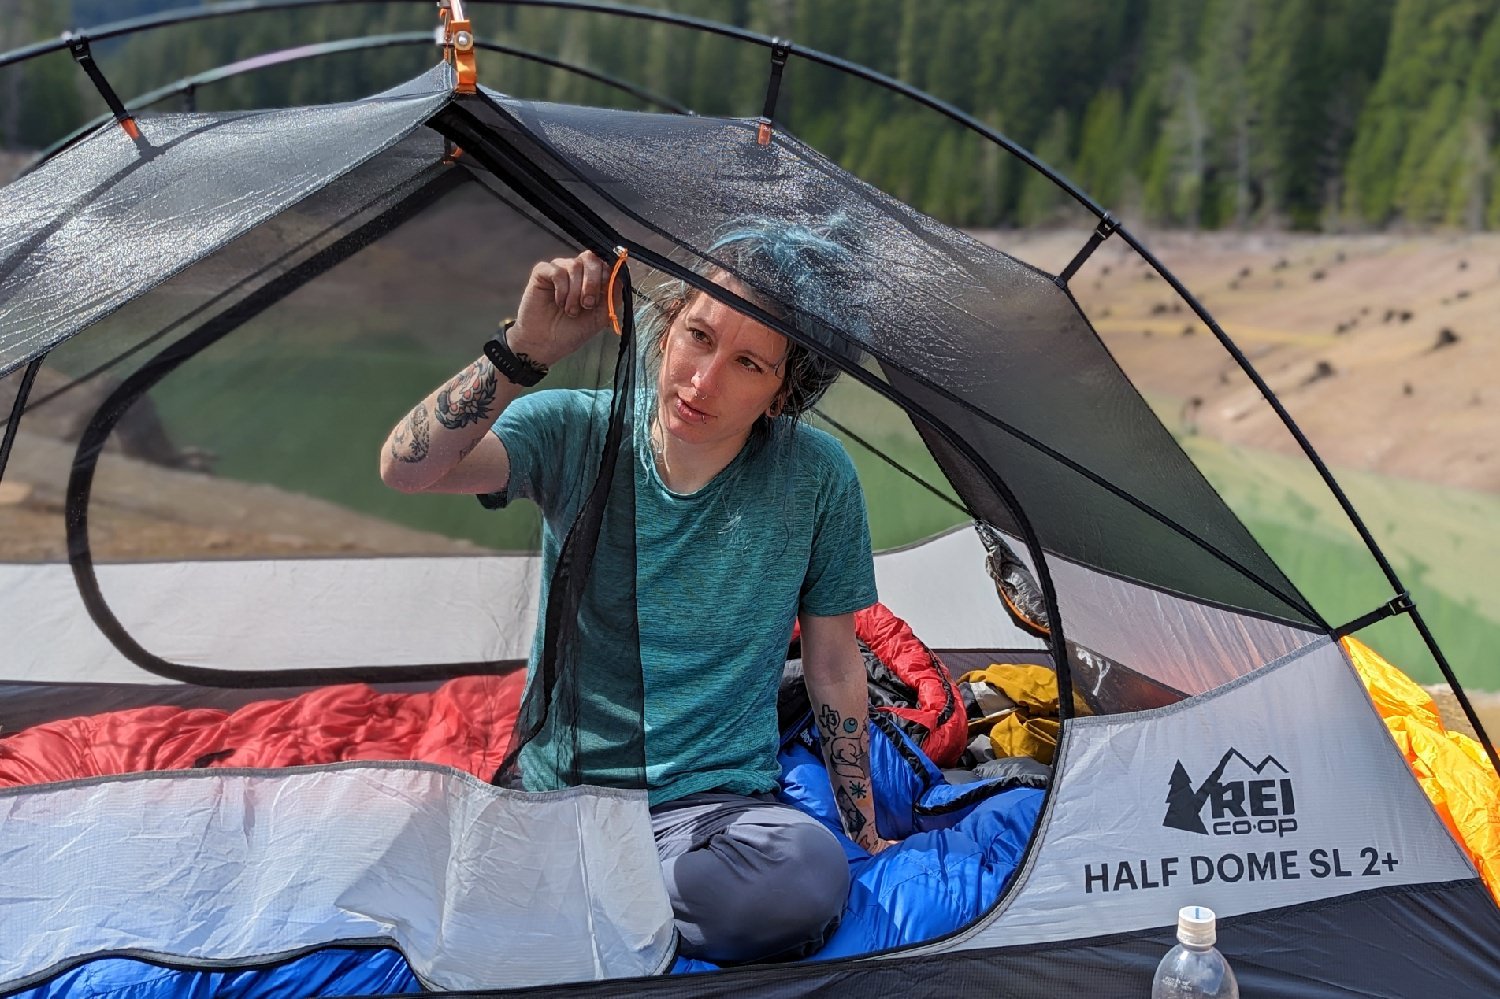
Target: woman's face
{"x": 720, "y": 372}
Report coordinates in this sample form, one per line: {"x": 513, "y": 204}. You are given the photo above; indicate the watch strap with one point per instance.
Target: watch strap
{"x": 517, "y": 368}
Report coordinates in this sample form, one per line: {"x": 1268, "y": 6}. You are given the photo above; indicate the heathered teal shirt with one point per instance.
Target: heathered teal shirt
{"x": 721, "y": 575}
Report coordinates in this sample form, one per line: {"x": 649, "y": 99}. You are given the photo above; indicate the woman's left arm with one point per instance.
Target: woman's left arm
{"x": 836, "y": 686}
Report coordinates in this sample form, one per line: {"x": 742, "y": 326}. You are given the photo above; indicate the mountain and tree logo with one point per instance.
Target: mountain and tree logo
{"x": 1251, "y": 797}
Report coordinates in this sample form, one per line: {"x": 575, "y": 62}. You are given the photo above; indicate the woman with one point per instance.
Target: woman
{"x": 745, "y": 520}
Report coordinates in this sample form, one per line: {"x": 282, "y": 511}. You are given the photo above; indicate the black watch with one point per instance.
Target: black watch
{"x": 518, "y": 368}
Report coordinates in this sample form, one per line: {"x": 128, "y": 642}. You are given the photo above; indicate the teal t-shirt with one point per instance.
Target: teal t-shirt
{"x": 721, "y": 575}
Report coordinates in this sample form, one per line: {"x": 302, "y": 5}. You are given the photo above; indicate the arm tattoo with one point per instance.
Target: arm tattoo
{"x": 848, "y": 757}
{"x": 828, "y": 720}
{"x": 854, "y": 819}
{"x": 414, "y": 448}
{"x": 846, "y": 751}
{"x": 468, "y": 395}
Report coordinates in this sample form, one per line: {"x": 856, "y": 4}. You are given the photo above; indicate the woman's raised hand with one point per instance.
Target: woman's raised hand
{"x": 562, "y": 307}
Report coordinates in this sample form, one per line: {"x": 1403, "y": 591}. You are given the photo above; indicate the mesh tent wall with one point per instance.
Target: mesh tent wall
{"x": 1175, "y": 586}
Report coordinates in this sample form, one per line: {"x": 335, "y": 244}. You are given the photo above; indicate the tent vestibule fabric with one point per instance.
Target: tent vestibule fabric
{"x": 224, "y": 863}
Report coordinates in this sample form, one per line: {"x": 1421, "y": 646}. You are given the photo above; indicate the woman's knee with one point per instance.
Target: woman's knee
{"x": 775, "y": 891}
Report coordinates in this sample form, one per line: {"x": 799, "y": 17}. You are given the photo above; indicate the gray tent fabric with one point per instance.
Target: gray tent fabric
{"x": 1282, "y": 788}
{"x": 107, "y": 221}
{"x": 212, "y": 868}
{"x": 1402, "y": 944}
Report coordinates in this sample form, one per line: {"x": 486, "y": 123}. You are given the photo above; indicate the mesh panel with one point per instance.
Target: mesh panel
{"x": 95, "y": 228}
{"x": 992, "y": 348}
{"x": 1234, "y": 437}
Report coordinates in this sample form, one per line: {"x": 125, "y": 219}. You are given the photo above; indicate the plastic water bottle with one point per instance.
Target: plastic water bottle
{"x": 1194, "y": 969}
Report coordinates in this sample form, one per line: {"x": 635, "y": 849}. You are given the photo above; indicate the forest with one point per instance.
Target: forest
{"x": 1318, "y": 115}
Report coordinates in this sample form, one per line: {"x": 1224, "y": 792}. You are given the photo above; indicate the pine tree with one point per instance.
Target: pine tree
{"x": 1101, "y": 169}
{"x": 1412, "y": 108}
{"x": 1184, "y": 806}
{"x": 1040, "y": 201}
{"x": 1193, "y": 112}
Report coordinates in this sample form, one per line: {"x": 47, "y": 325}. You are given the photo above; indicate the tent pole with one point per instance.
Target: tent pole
{"x": 1456, "y": 687}
{"x": 779, "y": 52}
{"x": 78, "y": 45}
{"x": 237, "y": 7}
{"x": 23, "y": 391}
{"x": 1323, "y": 472}
{"x": 188, "y": 86}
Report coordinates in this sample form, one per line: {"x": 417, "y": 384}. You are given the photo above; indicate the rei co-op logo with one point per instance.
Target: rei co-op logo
{"x": 1239, "y": 797}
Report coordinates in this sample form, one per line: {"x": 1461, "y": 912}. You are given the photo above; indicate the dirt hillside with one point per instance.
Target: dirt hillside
{"x": 1384, "y": 348}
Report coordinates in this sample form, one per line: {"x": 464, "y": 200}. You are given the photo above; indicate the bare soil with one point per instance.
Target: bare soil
{"x": 1383, "y": 348}
{"x": 140, "y": 510}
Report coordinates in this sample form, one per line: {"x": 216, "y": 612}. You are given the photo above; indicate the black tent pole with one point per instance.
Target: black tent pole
{"x": 190, "y": 14}
{"x": 189, "y": 85}
{"x": 23, "y": 390}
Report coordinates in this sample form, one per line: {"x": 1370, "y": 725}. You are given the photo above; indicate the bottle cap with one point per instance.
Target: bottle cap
{"x": 1196, "y": 926}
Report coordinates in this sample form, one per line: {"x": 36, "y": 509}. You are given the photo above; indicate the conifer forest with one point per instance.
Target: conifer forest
{"x": 1330, "y": 115}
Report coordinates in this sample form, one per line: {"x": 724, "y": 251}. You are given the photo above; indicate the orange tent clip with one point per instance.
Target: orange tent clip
{"x": 458, "y": 45}
{"x": 621, "y": 255}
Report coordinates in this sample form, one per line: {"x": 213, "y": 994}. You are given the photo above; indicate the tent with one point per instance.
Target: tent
{"x": 251, "y": 275}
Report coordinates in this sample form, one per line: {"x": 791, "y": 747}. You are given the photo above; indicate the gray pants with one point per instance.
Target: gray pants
{"x": 750, "y": 879}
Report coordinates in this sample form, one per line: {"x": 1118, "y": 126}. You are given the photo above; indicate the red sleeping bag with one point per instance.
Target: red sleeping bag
{"x": 931, "y": 711}
{"x": 939, "y": 709}
{"x": 465, "y": 723}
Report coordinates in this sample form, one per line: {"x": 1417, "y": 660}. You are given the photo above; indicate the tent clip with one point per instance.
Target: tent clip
{"x": 780, "y": 49}
{"x": 1106, "y": 228}
{"x": 1401, "y": 603}
{"x": 621, "y": 256}
{"x": 458, "y": 45}
{"x": 78, "y": 45}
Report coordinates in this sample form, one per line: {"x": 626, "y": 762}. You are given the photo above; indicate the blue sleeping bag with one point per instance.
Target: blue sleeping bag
{"x": 960, "y": 845}
{"x": 329, "y": 971}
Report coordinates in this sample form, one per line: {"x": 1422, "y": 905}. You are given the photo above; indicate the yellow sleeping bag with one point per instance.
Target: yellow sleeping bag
{"x": 1452, "y": 768}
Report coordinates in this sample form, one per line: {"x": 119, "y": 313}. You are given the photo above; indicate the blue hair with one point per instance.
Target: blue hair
{"x": 806, "y": 276}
